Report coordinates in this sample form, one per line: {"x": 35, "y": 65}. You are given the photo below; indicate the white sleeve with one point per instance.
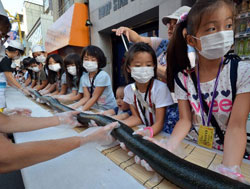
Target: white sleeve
{"x": 179, "y": 92}
{"x": 162, "y": 97}
{"x": 128, "y": 95}
{"x": 243, "y": 80}
{"x": 155, "y": 41}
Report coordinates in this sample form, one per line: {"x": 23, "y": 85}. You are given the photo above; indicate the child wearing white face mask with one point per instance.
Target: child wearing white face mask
{"x": 214, "y": 97}
{"x": 56, "y": 76}
{"x": 96, "y": 83}
{"x": 40, "y": 80}
{"x": 148, "y": 97}
{"x": 74, "y": 70}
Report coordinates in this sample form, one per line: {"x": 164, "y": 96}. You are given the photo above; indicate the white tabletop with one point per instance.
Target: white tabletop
{"x": 84, "y": 167}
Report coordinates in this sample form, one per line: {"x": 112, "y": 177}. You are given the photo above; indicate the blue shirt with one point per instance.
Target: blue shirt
{"x": 107, "y": 99}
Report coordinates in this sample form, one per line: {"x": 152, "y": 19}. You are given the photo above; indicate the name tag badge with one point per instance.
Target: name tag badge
{"x": 206, "y": 136}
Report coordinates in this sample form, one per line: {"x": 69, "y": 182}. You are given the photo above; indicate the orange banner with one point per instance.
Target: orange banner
{"x": 69, "y": 29}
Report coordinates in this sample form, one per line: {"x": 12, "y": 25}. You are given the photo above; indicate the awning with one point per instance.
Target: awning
{"x": 69, "y": 29}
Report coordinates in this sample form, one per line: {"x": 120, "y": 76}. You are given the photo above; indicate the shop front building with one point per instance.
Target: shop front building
{"x": 143, "y": 16}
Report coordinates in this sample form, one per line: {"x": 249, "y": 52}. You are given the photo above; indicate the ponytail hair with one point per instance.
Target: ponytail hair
{"x": 177, "y": 56}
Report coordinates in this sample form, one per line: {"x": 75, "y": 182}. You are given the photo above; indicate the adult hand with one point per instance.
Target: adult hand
{"x": 68, "y": 118}
{"x": 234, "y": 172}
{"x": 18, "y": 111}
{"x": 101, "y": 135}
{"x": 122, "y": 30}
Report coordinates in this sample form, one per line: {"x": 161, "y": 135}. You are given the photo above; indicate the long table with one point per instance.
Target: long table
{"x": 85, "y": 167}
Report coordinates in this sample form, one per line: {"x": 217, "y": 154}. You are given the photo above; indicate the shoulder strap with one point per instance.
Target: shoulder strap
{"x": 179, "y": 83}
{"x": 142, "y": 101}
{"x": 92, "y": 83}
{"x": 233, "y": 72}
{"x": 206, "y": 108}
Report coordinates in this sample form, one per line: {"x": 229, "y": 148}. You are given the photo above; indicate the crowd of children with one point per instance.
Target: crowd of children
{"x": 208, "y": 100}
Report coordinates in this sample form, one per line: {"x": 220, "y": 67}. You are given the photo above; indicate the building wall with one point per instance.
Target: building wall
{"x": 38, "y": 33}
{"x": 118, "y": 17}
{"x": 31, "y": 12}
{"x": 58, "y": 11}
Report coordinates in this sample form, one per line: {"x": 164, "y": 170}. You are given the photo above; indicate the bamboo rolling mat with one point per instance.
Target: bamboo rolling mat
{"x": 194, "y": 154}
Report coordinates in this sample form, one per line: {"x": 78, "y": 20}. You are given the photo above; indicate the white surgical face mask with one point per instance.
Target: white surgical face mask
{"x": 41, "y": 58}
{"x": 55, "y": 67}
{"x": 16, "y": 57}
{"x": 72, "y": 70}
{"x": 90, "y": 66}
{"x": 36, "y": 69}
{"x": 142, "y": 74}
{"x": 216, "y": 45}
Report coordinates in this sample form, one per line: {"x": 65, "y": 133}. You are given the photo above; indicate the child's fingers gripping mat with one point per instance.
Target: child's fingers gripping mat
{"x": 192, "y": 153}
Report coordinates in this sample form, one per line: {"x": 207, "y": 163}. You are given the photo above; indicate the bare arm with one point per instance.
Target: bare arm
{"x": 159, "y": 120}
{"x": 86, "y": 97}
{"x": 12, "y": 80}
{"x": 33, "y": 83}
{"x": 27, "y": 82}
{"x": 121, "y": 116}
{"x": 18, "y": 156}
{"x": 70, "y": 97}
{"x": 42, "y": 86}
{"x": 132, "y": 35}
{"x": 63, "y": 89}
{"x": 97, "y": 93}
{"x": 11, "y": 124}
{"x": 183, "y": 126}
{"x": 47, "y": 87}
{"x": 161, "y": 71}
{"x": 50, "y": 89}
{"x": 235, "y": 137}
{"x": 133, "y": 120}
{"x": 109, "y": 112}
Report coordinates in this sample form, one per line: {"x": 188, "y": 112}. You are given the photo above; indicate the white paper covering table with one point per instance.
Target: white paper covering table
{"x": 84, "y": 167}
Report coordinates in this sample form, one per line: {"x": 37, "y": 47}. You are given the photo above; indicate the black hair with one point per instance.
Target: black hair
{"x": 5, "y": 24}
{"x": 134, "y": 49}
{"x": 52, "y": 76}
{"x": 26, "y": 62}
{"x": 13, "y": 49}
{"x": 75, "y": 59}
{"x": 96, "y": 52}
{"x": 33, "y": 61}
{"x": 177, "y": 55}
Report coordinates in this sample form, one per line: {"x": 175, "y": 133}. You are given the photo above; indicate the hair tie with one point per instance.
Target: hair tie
{"x": 183, "y": 17}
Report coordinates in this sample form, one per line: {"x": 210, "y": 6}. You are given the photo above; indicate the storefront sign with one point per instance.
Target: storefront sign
{"x": 105, "y": 10}
{"x": 117, "y": 4}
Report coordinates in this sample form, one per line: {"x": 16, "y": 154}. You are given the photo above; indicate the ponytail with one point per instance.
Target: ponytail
{"x": 177, "y": 55}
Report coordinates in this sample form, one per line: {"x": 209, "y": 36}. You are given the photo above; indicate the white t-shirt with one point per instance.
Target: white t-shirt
{"x": 160, "y": 97}
{"x": 223, "y": 101}
{"x": 107, "y": 100}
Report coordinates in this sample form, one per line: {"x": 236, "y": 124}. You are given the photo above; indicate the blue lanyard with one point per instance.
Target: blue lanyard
{"x": 214, "y": 94}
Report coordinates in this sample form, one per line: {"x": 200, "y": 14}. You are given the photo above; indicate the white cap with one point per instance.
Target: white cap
{"x": 2, "y": 11}
{"x": 38, "y": 48}
{"x": 176, "y": 14}
{"x": 16, "y": 44}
